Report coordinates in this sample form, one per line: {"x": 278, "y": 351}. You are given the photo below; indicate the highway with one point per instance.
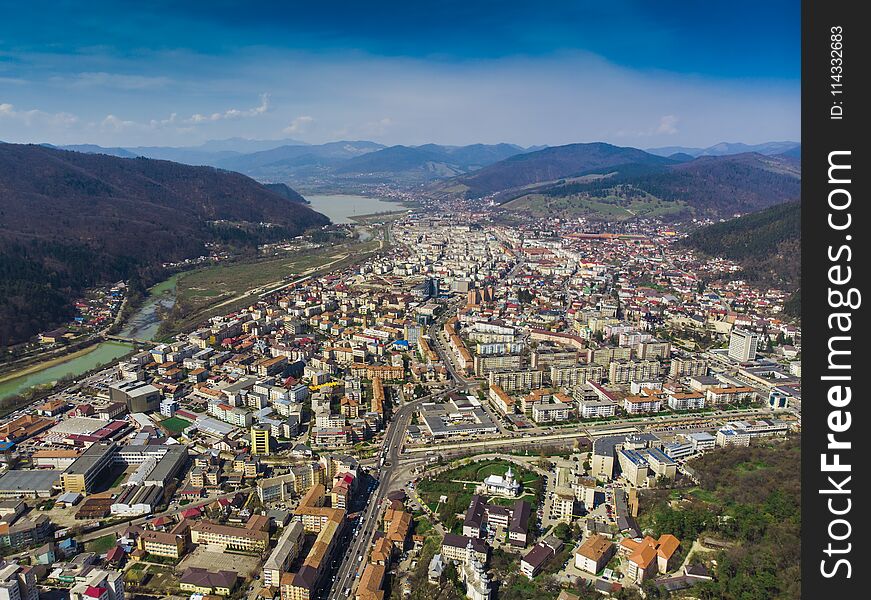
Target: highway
{"x": 355, "y": 556}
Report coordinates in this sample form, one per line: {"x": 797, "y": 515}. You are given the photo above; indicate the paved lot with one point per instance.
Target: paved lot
{"x": 245, "y": 566}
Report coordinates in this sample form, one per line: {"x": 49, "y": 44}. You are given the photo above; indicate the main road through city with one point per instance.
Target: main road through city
{"x": 355, "y": 556}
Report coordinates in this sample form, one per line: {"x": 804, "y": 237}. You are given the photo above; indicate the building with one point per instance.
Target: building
{"x": 163, "y": 543}
{"x": 203, "y": 581}
{"x": 686, "y": 400}
{"x": 513, "y": 381}
{"x": 688, "y": 367}
{"x": 253, "y": 537}
{"x": 37, "y": 483}
{"x": 743, "y": 345}
{"x": 502, "y": 486}
{"x": 536, "y": 559}
{"x": 17, "y": 582}
{"x": 460, "y": 416}
{"x": 285, "y": 552}
{"x": 260, "y": 439}
{"x": 82, "y": 474}
{"x": 371, "y": 582}
{"x": 563, "y": 506}
{"x": 138, "y": 396}
{"x": 99, "y": 584}
{"x": 474, "y": 575}
{"x": 548, "y": 412}
{"x": 635, "y": 405}
{"x": 628, "y": 371}
{"x": 739, "y": 433}
{"x": 482, "y": 518}
{"x": 454, "y": 547}
{"x": 648, "y": 556}
{"x": 594, "y": 554}
{"x": 701, "y": 440}
{"x": 719, "y": 395}
{"x": 503, "y": 402}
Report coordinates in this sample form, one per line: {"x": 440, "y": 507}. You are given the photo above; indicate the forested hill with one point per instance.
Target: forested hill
{"x": 767, "y": 244}
{"x": 70, "y": 220}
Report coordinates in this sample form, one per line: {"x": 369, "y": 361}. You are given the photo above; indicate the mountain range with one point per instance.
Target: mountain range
{"x": 293, "y": 161}
{"x": 71, "y": 220}
{"x": 727, "y": 148}
{"x": 474, "y": 170}
{"x": 599, "y": 178}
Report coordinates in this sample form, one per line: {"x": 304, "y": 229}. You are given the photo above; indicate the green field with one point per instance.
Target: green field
{"x": 221, "y": 289}
{"x": 606, "y": 207}
{"x": 459, "y": 484}
{"x": 175, "y": 425}
{"x": 101, "y": 544}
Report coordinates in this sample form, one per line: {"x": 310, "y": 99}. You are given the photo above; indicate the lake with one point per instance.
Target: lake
{"x": 341, "y": 207}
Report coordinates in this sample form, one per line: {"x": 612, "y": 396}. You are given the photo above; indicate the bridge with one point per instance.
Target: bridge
{"x": 129, "y": 340}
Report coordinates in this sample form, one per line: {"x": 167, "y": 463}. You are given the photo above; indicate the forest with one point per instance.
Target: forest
{"x": 748, "y": 499}
{"x": 767, "y": 244}
{"x": 74, "y": 220}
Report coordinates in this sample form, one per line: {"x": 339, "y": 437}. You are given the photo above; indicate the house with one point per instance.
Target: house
{"x": 202, "y": 581}
{"x": 594, "y": 554}
{"x": 530, "y": 564}
{"x": 646, "y": 557}
{"x": 535, "y": 560}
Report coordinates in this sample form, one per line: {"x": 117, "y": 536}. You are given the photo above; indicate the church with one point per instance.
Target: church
{"x": 497, "y": 485}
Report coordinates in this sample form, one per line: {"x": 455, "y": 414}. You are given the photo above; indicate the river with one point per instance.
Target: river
{"x": 341, "y": 207}
{"x": 102, "y": 354}
{"x": 142, "y": 325}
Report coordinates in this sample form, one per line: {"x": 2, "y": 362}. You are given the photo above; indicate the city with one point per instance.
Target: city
{"x": 423, "y": 301}
{"x": 472, "y": 388}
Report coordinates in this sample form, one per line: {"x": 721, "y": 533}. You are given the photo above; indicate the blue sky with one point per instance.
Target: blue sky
{"x": 632, "y": 73}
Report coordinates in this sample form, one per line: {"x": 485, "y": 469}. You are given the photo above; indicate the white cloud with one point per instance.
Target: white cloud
{"x": 232, "y": 113}
{"x": 298, "y": 125}
{"x": 667, "y": 125}
{"x": 113, "y": 123}
{"x": 37, "y": 117}
{"x": 185, "y": 125}
{"x": 376, "y": 128}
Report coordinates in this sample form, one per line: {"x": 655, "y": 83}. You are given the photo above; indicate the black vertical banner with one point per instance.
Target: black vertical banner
{"x": 836, "y": 60}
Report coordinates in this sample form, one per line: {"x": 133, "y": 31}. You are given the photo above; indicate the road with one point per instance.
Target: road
{"x": 119, "y": 527}
{"x": 354, "y": 559}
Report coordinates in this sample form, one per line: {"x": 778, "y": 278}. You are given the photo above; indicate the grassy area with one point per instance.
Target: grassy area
{"x": 612, "y": 207}
{"x": 175, "y": 425}
{"x": 220, "y": 289}
{"x": 458, "y": 485}
{"x": 101, "y": 544}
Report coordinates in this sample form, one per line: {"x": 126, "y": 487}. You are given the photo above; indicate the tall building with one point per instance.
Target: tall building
{"x": 17, "y": 582}
{"x": 260, "y": 440}
{"x": 742, "y": 345}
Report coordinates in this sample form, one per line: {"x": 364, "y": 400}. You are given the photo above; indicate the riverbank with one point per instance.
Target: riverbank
{"x": 47, "y": 364}
{"x": 96, "y": 357}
